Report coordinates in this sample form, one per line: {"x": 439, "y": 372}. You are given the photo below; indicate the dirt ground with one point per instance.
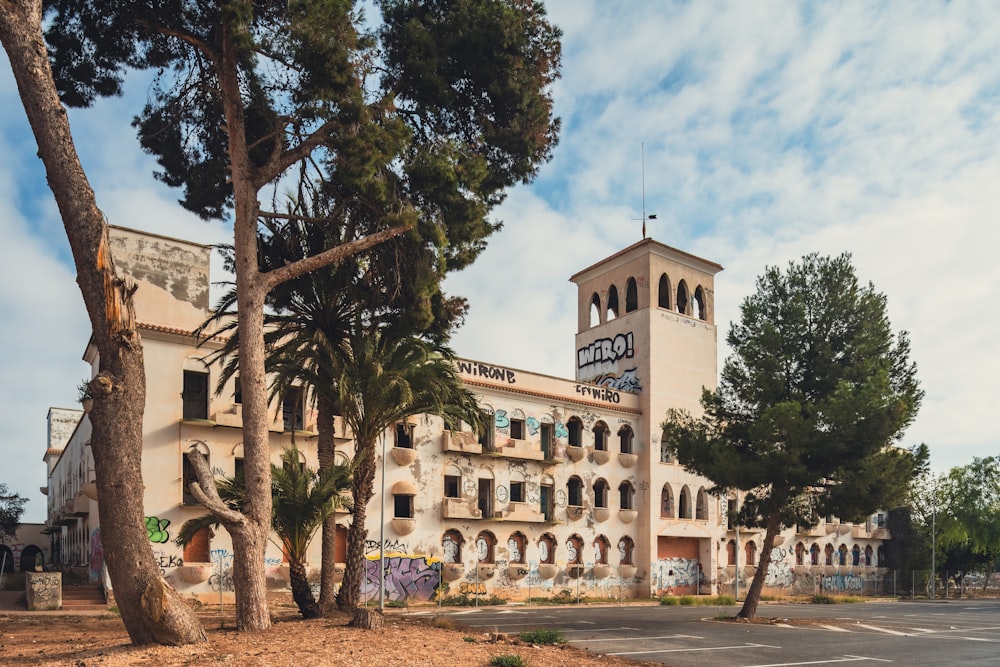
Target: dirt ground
{"x": 83, "y": 640}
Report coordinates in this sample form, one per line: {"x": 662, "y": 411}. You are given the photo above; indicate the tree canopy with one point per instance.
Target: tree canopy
{"x": 809, "y": 406}
{"x": 11, "y": 509}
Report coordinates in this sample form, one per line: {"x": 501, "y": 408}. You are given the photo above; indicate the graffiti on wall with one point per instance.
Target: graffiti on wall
{"x": 388, "y": 546}
{"x": 670, "y": 573}
{"x": 96, "y": 555}
{"x": 165, "y": 561}
{"x": 779, "y": 571}
{"x": 627, "y": 381}
{"x": 156, "y": 529}
{"x": 842, "y": 582}
{"x": 599, "y": 393}
{"x": 222, "y": 573}
{"x": 405, "y": 577}
{"x": 603, "y": 354}
{"x": 487, "y": 371}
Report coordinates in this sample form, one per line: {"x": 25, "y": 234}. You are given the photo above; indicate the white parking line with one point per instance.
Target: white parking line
{"x": 694, "y": 650}
{"x": 831, "y": 661}
{"x": 878, "y": 629}
{"x": 630, "y": 638}
{"x": 835, "y": 628}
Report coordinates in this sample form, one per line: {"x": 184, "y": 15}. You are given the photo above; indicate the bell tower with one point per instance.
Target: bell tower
{"x": 646, "y": 325}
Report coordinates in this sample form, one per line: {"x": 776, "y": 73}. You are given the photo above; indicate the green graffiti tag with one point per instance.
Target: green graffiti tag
{"x": 156, "y": 529}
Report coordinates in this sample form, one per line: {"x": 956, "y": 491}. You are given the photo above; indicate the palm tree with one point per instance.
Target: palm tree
{"x": 301, "y": 501}
{"x": 387, "y": 375}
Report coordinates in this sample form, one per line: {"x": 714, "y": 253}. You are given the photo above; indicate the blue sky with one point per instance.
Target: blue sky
{"x": 771, "y": 130}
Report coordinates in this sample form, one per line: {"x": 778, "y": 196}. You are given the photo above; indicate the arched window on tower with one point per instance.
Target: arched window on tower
{"x": 663, "y": 292}
{"x": 601, "y": 433}
{"x": 612, "y": 302}
{"x": 631, "y": 296}
{"x": 667, "y": 502}
{"x": 682, "y": 299}
{"x": 699, "y": 303}
{"x": 595, "y": 310}
{"x": 684, "y": 504}
{"x": 701, "y": 505}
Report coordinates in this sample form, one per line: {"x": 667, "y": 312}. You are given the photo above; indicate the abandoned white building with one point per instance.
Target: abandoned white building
{"x": 570, "y": 491}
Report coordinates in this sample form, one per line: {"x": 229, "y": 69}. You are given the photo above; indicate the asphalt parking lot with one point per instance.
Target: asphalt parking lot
{"x": 905, "y": 633}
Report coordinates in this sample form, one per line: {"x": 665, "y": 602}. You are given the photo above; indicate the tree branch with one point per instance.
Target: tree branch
{"x": 277, "y": 165}
{"x": 275, "y": 277}
{"x": 205, "y": 492}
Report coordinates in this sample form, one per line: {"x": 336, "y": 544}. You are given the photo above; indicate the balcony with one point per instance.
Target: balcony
{"x": 460, "y": 508}
{"x": 460, "y": 441}
{"x": 520, "y": 512}
{"x": 519, "y": 449}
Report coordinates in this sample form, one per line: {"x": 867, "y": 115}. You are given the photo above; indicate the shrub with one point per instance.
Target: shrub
{"x": 543, "y": 636}
{"x": 822, "y": 599}
{"x": 463, "y": 600}
{"x": 722, "y": 599}
{"x": 669, "y": 601}
{"x": 687, "y": 600}
{"x": 508, "y": 660}
{"x": 444, "y": 622}
{"x": 468, "y": 639}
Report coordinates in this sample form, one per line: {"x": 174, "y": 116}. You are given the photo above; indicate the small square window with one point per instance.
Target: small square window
{"x": 404, "y": 436}
{"x": 452, "y": 486}
{"x": 517, "y": 429}
{"x": 517, "y": 492}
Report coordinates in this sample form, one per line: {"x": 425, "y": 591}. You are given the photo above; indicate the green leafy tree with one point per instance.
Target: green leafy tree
{"x": 808, "y": 408}
{"x": 417, "y": 127}
{"x": 301, "y": 501}
{"x": 11, "y": 509}
{"x": 388, "y": 374}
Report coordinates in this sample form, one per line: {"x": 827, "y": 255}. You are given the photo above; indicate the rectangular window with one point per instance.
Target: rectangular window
{"x": 486, "y": 438}
{"x": 292, "y": 408}
{"x": 237, "y": 392}
{"x": 188, "y": 478}
{"x": 403, "y": 436}
{"x": 452, "y": 486}
{"x": 238, "y": 468}
{"x": 485, "y": 498}
{"x": 546, "y": 498}
{"x": 403, "y": 506}
{"x": 517, "y": 429}
{"x": 195, "y": 395}
{"x": 548, "y": 437}
{"x": 517, "y": 492}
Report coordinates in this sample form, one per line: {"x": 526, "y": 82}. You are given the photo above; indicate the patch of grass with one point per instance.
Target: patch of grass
{"x": 549, "y": 636}
{"x": 396, "y": 604}
{"x": 700, "y": 601}
{"x": 721, "y": 600}
{"x": 822, "y": 599}
{"x": 114, "y": 610}
{"x": 687, "y": 600}
{"x": 444, "y": 622}
{"x": 464, "y": 600}
{"x": 470, "y": 640}
{"x": 669, "y": 601}
{"x": 723, "y": 616}
{"x": 508, "y": 660}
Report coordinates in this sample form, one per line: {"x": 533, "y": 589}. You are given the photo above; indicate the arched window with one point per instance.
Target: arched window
{"x": 601, "y": 433}
{"x": 516, "y": 544}
{"x": 856, "y": 555}
{"x": 684, "y": 504}
{"x": 828, "y": 552}
{"x": 601, "y": 493}
{"x": 800, "y": 554}
{"x": 881, "y": 556}
{"x": 547, "y": 549}
{"x": 452, "y": 482}
{"x": 701, "y": 505}
{"x": 199, "y": 549}
{"x": 699, "y": 303}
{"x": 627, "y": 495}
{"x": 451, "y": 544}
{"x": 667, "y": 502}
{"x": 574, "y": 428}
{"x": 595, "y": 310}
{"x": 631, "y": 296}
{"x": 751, "y": 552}
{"x": 6, "y": 558}
{"x": 868, "y": 556}
{"x": 842, "y": 554}
{"x": 625, "y": 549}
{"x": 601, "y": 548}
{"x": 731, "y": 552}
{"x": 574, "y": 550}
{"x": 486, "y": 547}
{"x": 663, "y": 292}
{"x": 574, "y": 492}
{"x": 612, "y": 302}
{"x": 29, "y": 556}
{"x": 682, "y": 298}
{"x": 814, "y": 554}
{"x": 625, "y": 439}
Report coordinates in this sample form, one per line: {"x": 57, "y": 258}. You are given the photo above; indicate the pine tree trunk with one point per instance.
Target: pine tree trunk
{"x": 326, "y": 449}
{"x": 367, "y": 619}
{"x": 301, "y": 591}
{"x": 151, "y": 611}
{"x": 354, "y": 573}
{"x": 749, "y": 609}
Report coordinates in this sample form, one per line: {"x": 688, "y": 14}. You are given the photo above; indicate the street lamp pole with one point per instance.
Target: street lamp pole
{"x": 933, "y": 539}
